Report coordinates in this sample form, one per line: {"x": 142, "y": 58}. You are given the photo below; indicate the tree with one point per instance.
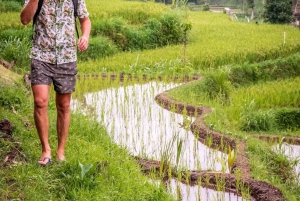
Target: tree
{"x": 278, "y": 11}
{"x": 251, "y": 5}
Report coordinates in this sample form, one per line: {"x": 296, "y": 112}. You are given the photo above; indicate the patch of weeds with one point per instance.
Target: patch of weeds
{"x": 81, "y": 176}
{"x": 12, "y": 98}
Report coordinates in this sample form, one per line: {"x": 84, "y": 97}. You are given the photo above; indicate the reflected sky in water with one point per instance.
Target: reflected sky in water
{"x": 199, "y": 193}
{"x": 136, "y": 122}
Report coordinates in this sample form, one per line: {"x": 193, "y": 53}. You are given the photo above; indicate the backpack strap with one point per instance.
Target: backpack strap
{"x": 38, "y": 10}
{"x": 75, "y": 4}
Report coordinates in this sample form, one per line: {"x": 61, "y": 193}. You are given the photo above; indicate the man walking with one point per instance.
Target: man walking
{"x": 53, "y": 60}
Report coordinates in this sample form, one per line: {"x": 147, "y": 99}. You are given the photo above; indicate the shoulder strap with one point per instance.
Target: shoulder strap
{"x": 38, "y": 10}
{"x": 75, "y": 4}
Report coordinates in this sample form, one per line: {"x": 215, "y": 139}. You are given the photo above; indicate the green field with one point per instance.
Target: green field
{"x": 250, "y": 79}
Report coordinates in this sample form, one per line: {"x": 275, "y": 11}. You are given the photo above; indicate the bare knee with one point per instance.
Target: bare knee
{"x": 63, "y": 107}
{"x": 40, "y": 104}
{"x": 63, "y": 103}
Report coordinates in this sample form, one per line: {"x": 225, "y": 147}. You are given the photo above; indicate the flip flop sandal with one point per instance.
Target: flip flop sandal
{"x": 48, "y": 162}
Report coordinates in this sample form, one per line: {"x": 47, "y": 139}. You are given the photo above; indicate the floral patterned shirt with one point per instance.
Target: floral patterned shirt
{"x": 54, "y": 38}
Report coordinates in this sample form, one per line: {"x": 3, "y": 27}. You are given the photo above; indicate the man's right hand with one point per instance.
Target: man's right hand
{"x": 28, "y": 11}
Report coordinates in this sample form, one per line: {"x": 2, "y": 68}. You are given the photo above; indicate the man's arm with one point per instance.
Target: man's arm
{"x": 83, "y": 41}
{"x": 28, "y": 11}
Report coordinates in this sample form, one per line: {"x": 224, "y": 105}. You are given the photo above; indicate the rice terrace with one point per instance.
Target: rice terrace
{"x": 175, "y": 100}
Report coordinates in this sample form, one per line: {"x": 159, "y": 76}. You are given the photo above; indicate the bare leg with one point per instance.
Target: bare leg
{"x": 63, "y": 123}
{"x": 41, "y": 98}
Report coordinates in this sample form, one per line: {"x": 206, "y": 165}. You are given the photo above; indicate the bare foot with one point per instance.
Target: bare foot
{"x": 45, "y": 161}
{"x": 45, "y": 158}
{"x": 60, "y": 157}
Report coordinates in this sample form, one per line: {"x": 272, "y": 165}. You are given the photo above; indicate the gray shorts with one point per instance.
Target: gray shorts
{"x": 62, "y": 75}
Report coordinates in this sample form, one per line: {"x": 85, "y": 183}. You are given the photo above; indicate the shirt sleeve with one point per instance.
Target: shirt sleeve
{"x": 82, "y": 10}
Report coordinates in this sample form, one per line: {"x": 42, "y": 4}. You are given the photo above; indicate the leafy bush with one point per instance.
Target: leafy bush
{"x": 288, "y": 119}
{"x": 278, "y": 11}
{"x": 10, "y": 6}
{"x": 205, "y": 7}
{"x": 280, "y": 68}
{"x": 279, "y": 119}
{"x": 216, "y": 85}
{"x": 16, "y": 49}
{"x": 114, "y": 28}
{"x": 156, "y": 32}
{"x": 98, "y": 47}
{"x": 257, "y": 121}
{"x": 171, "y": 29}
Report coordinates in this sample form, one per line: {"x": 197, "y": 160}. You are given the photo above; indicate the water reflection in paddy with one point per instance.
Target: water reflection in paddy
{"x": 135, "y": 121}
{"x": 198, "y": 193}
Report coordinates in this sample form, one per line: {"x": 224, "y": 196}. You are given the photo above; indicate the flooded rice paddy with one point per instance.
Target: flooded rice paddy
{"x": 292, "y": 153}
{"x": 137, "y": 123}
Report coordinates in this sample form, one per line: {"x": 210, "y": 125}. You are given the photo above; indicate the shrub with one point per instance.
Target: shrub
{"x": 280, "y": 68}
{"x": 99, "y": 47}
{"x": 205, "y": 7}
{"x": 17, "y": 50}
{"x": 171, "y": 29}
{"x": 279, "y": 119}
{"x": 278, "y": 11}
{"x": 256, "y": 121}
{"x": 10, "y": 6}
{"x": 288, "y": 119}
{"x": 163, "y": 31}
{"x": 216, "y": 85}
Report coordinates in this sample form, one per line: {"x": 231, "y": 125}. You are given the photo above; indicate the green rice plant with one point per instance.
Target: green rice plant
{"x": 134, "y": 12}
{"x": 269, "y": 95}
{"x": 231, "y": 158}
{"x": 223, "y": 164}
{"x": 11, "y": 20}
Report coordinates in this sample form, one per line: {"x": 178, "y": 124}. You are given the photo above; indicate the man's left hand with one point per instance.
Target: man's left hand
{"x": 83, "y": 43}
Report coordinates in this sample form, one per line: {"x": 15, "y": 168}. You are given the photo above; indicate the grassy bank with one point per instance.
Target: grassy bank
{"x": 96, "y": 168}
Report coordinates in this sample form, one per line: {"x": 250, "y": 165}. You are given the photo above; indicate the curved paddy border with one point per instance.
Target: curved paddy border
{"x": 259, "y": 190}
